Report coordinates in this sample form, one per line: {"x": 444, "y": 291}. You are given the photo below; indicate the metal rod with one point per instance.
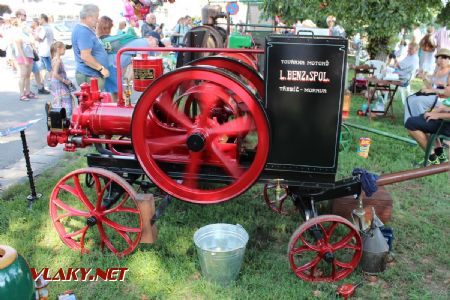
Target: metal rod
{"x": 383, "y": 133}
{"x": 26, "y": 154}
{"x": 412, "y": 174}
{"x": 121, "y": 102}
{"x": 258, "y": 25}
{"x": 106, "y": 141}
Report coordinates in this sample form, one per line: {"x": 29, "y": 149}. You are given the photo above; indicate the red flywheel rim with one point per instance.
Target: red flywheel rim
{"x": 222, "y": 80}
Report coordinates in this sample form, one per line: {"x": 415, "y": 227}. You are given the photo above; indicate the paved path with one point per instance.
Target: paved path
{"x": 12, "y": 112}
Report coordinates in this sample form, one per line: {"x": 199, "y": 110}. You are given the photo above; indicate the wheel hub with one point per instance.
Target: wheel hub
{"x": 328, "y": 257}
{"x": 196, "y": 142}
{"x": 91, "y": 221}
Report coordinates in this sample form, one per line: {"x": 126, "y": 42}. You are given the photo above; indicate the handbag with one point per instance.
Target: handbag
{"x": 35, "y": 55}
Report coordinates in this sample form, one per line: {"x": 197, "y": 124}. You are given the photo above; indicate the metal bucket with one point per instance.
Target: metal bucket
{"x": 220, "y": 249}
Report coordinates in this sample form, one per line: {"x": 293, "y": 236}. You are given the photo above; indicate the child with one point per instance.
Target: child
{"x": 60, "y": 86}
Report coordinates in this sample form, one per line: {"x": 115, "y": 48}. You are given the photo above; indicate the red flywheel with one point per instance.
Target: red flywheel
{"x": 325, "y": 248}
{"x": 228, "y": 149}
{"x": 94, "y": 207}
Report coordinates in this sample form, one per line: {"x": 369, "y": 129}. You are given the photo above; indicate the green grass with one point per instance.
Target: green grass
{"x": 169, "y": 269}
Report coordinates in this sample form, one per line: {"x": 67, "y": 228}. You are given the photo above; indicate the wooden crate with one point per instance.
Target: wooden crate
{"x": 381, "y": 200}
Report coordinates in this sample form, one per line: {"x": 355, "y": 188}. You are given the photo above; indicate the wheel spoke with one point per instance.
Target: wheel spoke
{"x": 192, "y": 169}
{"x": 343, "y": 264}
{"x": 119, "y": 227}
{"x": 75, "y": 233}
{"x": 82, "y": 196}
{"x": 83, "y": 235}
{"x": 234, "y": 127}
{"x": 119, "y": 209}
{"x": 100, "y": 191}
{"x": 344, "y": 241}
{"x": 73, "y": 211}
{"x": 104, "y": 238}
{"x": 230, "y": 165}
{"x": 158, "y": 145}
{"x": 350, "y": 246}
{"x": 333, "y": 268}
{"x": 166, "y": 105}
{"x": 307, "y": 244}
{"x": 309, "y": 265}
{"x": 300, "y": 250}
{"x": 125, "y": 236}
{"x": 126, "y": 196}
{"x": 330, "y": 230}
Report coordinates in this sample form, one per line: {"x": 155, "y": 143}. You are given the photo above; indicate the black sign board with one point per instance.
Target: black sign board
{"x": 305, "y": 78}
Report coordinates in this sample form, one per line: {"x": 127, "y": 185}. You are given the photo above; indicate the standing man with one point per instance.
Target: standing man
{"x": 91, "y": 58}
{"x": 45, "y": 38}
{"x": 149, "y": 25}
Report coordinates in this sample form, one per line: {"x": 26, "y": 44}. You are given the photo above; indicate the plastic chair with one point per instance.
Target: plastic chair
{"x": 378, "y": 65}
{"x": 433, "y": 138}
{"x": 405, "y": 90}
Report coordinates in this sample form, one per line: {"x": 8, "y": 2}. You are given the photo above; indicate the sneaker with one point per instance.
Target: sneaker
{"x": 429, "y": 162}
{"x": 43, "y": 91}
{"x": 443, "y": 158}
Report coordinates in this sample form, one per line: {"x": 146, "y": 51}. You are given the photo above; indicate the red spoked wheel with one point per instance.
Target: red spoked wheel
{"x": 232, "y": 151}
{"x": 326, "y": 248}
{"x": 92, "y": 204}
{"x": 275, "y": 196}
{"x": 236, "y": 66}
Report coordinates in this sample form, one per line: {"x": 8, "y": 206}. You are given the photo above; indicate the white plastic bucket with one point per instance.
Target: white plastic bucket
{"x": 220, "y": 249}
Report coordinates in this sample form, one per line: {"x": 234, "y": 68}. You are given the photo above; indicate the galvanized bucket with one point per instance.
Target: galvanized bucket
{"x": 220, "y": 249}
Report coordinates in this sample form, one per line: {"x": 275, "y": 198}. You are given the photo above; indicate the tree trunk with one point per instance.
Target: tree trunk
{"x": 378, "y": 48}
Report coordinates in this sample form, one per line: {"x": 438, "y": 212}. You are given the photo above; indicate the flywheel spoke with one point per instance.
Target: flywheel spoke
{"x": 192, "y": 169}
{"x": 166, "y": 105}
{"x": 158, "y": 145}
{"x": 231, "y": 166}
{"x": 234, "y": 127}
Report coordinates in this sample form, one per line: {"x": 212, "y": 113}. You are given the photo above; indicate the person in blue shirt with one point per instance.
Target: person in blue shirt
{"x": 91, "y": 59}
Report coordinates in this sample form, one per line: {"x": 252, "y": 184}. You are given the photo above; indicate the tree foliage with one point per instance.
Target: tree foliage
{"x": 380, "y": 19}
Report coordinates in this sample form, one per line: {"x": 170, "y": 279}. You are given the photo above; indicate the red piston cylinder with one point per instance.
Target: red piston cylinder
{"x": 145, "y": 70}
{"x": 105, "y": 118}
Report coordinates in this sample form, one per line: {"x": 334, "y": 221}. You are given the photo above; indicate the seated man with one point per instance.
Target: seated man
{"x": 420, "y": 126}
{"x": 406, "y": 68}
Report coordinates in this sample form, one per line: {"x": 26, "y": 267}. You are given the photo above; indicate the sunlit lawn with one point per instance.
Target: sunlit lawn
{"x": 169, "y": 269}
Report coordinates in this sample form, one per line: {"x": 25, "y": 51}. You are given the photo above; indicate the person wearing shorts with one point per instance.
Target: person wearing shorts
{"x": 45, "y": 38}
{"x": 419, "y": 127}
